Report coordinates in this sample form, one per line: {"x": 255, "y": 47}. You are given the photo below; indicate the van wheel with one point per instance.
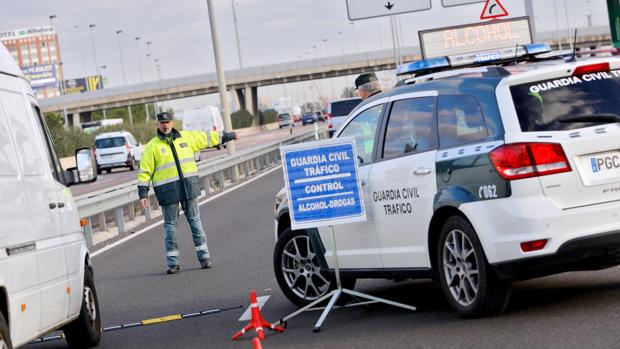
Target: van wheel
{"x": 298, "y": 271}
{"x": 85, "y": 331}
{"x": 5, "y": 339}
{"x": 469, "y": 283}
{"x": 108, "y": 170}
{"x": 132, "y": 164}
{"x": 99, "y": 171}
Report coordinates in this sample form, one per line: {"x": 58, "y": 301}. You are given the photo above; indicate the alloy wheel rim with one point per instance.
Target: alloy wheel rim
{"x": 91, "y": 308}
{"x": 460, "y": 265}
{"x": 302, "y": 271}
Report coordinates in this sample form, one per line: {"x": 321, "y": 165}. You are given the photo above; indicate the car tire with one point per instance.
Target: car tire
{"x": 5, "y": 335}
{"x": 85, "y": 330}
{"x": 99, "y": 171}
{"x": 292, "y": 248}
{"x": 303, "y": 124}
{"x": 132, "y": 164}
{"x": 108, "y": 170}
{"x": 468, "y": 281}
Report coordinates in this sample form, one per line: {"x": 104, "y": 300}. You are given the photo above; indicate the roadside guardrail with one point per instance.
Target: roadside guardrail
{"x": 122, "y": 203}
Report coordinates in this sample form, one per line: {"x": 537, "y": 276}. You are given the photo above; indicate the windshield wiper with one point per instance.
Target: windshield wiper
{"x": 603, "y": 117}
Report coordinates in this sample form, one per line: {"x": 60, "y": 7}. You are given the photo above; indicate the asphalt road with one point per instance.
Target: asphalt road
{"x": 572, "y": 310}
{"x": 123, "y": 175}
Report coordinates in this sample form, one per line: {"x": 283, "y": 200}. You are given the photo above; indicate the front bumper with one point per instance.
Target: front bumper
{"x": 586, "y": 253}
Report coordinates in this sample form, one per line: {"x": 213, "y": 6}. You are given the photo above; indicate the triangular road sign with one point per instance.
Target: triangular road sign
{"x": 493, "y": 9}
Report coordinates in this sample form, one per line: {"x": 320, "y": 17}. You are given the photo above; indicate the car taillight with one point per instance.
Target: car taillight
{"x": 127, "y": 146}
{"x": 535, "y": 245}
{"x": 524, "y": 160}
{"x": 591, "y": 68}
{"x": 329, "y": 117}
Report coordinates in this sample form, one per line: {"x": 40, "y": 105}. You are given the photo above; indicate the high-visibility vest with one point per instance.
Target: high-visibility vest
{"x": 174, "y": 178}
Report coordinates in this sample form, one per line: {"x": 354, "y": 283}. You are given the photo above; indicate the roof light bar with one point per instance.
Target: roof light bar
{"x": 478, "y": 58}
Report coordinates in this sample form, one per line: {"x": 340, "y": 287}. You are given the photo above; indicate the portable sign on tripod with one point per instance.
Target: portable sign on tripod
{"x": 323, "y": 189}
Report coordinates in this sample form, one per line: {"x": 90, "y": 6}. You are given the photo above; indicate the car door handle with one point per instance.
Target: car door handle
{"x": 61, "y": 204}
{"x": 422, "y": 171}
{"x": 52, "y": 205}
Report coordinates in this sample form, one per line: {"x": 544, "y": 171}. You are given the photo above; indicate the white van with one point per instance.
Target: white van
{"x": 202, "y": 119}
{"x": 46, "y": 278}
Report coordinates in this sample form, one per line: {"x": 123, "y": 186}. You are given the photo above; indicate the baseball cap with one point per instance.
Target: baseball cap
{"x": 364, "y": 79}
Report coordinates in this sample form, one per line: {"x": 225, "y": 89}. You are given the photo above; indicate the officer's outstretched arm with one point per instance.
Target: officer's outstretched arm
{"x": 229, "y": 136}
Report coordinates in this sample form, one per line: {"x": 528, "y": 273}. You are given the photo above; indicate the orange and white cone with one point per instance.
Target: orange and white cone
{"x": 257, "y": 322}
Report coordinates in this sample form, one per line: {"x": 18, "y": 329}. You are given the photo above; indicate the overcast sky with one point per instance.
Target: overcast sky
{"x": 270, "y": 31}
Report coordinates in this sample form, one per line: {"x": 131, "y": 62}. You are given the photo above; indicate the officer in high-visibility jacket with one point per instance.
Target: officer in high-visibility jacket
{"x": 168, "y": 162}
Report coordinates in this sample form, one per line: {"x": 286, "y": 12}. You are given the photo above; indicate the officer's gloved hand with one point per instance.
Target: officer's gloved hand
{"x": 228, "y": 136}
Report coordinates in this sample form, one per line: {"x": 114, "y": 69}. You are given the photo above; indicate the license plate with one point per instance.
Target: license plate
{"x": 605, "y": 163}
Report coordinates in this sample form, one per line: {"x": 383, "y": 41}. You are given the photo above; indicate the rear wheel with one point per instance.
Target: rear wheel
{"x": 108, "y": 170}
{"x": 298, "y": 271}
{"x": 5, "y": 339}
{"x": 85, "y": 331}
{"x": 469, "y": 283}
{"x": 132, "y": 163}
{"x": 99, "y": 171}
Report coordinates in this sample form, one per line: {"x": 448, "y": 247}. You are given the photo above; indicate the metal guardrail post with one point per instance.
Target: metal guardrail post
{"x": 88, "y": 233}
{"x": 120, "y": 220}
{"x": 131, "y": 212}
{"x": 155, "y": 204}
{"x": 220, "y": 180}
{"x": 204, "y": 183}
{"x": 256, "y": 162}
{"x": 246, "y": 169}
{"x": 102, "y": 223}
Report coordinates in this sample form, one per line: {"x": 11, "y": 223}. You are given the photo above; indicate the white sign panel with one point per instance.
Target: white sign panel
{"x": 322, "y": 183}
{"x": 450, "y": 3}
{"x": 361, "y": 9}
{"x": 475, "y": 37}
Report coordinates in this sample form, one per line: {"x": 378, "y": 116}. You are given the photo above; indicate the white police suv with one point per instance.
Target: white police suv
{"x": 481, "y": 169}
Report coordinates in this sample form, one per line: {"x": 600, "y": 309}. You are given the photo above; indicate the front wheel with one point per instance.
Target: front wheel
{"x": 85, "y": 330}
{"x": 5, "y": 338}
{"x": 298, "y": 271}
{"x": 471, "y": 286}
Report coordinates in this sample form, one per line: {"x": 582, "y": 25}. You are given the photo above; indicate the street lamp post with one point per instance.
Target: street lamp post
{"x": 139, "y": 58}
{"x": 234, "y": 12}
{"x": 103, "y": 69}
{"x": 148, "y": 54}
{"x": 120, "y": 52}
{"x": 92, "y": 40}
{"x": 61, "y": 84}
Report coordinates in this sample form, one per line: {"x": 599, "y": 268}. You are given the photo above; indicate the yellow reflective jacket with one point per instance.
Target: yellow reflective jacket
{"x": 168, "y": 161}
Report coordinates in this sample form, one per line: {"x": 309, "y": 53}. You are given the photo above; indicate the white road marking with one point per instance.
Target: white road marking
{"x": 247, "y": 314}
{"x": 142, "y": 231}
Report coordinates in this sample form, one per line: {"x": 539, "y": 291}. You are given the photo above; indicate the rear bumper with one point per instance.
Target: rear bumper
{"x": 587, "y": 253}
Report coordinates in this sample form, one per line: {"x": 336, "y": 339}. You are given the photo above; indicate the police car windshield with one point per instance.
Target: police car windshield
{"x": 546, "y": 105}
{"x": 109, "y": 142}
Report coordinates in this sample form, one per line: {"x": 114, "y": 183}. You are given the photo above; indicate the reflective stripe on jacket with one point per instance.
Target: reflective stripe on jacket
{"x": 159, "y": 165}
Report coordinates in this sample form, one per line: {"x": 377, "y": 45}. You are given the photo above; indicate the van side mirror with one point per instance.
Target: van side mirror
{"x": 84, "y": 171}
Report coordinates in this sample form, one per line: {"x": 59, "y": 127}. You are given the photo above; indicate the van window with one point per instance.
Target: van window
{"x": 410, "y": 127}
{"x": 343, "y": 108}
{"x": 54, "y": 163}
{"x": 460, "y": 120}
{"x": 112, "y": 142}
{"x": 8, "y": 160}
{"x": 33, "y": 160}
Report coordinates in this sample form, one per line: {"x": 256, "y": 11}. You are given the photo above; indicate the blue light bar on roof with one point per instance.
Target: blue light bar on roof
{"x": 536, "y": 49}
{"x": 423, "y": 65}
{"x": 472, "y": 59}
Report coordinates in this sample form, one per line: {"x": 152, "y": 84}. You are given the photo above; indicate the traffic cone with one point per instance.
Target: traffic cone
{"x": 256, "y": 343}
{"x": 257, "y": 322}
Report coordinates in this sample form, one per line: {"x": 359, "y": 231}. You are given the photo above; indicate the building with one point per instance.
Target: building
{"x": 38, "y": 54}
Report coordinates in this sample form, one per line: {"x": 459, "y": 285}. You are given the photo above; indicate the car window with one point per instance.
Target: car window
{"x": 541, "y": 105}
{"x": 343, "y": 108}
{"x": 410, "y": 127}
{"x": 54, "y": 162}
{"x": 363, "y": 128}
{"x": 112, "y": 142}
{"x": 460, "y": 120}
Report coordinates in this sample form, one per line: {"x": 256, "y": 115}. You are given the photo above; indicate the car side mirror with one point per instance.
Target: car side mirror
{"x": 84, "y": 171}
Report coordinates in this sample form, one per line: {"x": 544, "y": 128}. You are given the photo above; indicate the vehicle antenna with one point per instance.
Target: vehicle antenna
{"x": 573, "y": 57}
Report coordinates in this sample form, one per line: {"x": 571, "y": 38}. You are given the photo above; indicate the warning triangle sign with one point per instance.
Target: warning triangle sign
{"x": 493, "y": 9}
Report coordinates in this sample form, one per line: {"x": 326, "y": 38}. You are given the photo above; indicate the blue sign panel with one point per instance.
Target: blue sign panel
{"x": 322, "y": 183}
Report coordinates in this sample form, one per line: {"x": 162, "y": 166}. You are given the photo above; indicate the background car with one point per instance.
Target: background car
{"x": 284, "y": 120}
{"x": 338, "y": 110}
{"x": 309, "y": 118}
{"x": 320, "y": 116}
{"x": 117, "y": 149}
